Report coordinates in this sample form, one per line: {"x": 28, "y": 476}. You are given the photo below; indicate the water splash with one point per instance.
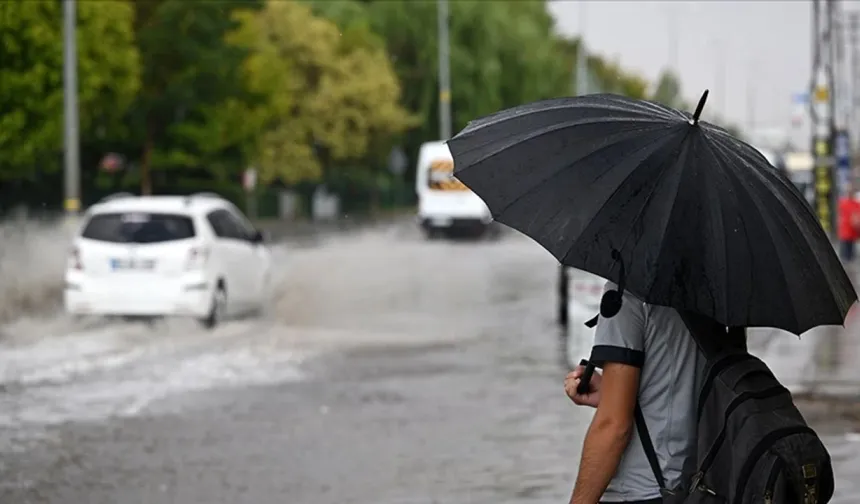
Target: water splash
{"x": 32, "y": 261}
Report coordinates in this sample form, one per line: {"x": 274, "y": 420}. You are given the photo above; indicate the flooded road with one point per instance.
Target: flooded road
{"x": 389, "y": 369}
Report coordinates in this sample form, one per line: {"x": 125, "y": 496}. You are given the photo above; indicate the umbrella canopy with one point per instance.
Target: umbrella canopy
{"x": 697, "y": 219}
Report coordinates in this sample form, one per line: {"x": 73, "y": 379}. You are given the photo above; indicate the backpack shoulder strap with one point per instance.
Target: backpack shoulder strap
{"x": 710, "y": 337}
{"x": 648, "y": 446}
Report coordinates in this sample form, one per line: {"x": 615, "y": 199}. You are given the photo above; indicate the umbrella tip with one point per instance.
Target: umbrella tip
{"x": 699, "y": 107}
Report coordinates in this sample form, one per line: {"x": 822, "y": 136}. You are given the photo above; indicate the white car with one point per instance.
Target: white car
{"x": 155, "y": 256}
{"x": 584, "y": 293}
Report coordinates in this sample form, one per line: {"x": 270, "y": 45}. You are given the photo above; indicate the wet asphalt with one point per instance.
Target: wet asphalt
{"x": 389, "y": 369}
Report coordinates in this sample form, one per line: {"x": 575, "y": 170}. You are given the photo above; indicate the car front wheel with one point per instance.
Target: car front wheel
{"x": 217, "y": 310}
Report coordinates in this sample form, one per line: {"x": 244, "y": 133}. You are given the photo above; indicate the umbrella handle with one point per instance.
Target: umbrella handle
{"x": 585, "y": 381}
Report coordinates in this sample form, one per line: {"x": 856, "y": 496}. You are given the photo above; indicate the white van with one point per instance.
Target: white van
{"x": 444, "y": 203}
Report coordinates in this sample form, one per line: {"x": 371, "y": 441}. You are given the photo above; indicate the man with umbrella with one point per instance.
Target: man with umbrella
{"x": 613, "y": 466}
{"x": 700, "y": 238}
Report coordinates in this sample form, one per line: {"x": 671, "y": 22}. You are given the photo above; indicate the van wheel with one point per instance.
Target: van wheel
{"x": 433, "y": 233}
{"x": 218, "y": 309}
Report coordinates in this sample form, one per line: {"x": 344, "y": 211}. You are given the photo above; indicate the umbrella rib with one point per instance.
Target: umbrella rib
{"x": 717, "y": 155}
{"x": 782, "y": 200}
{"x": 675, "y": 153}
{"x": 647, "y": 201}
{"x": 549, "y": 129}
{"x": 588, "y": 101}
{"x": 641, "y": 210}
{"x": 764, "y": 217}
{"x": 558, "y": 171}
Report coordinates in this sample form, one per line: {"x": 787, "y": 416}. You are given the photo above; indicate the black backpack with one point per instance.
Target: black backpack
{"x": 753, "y": 446}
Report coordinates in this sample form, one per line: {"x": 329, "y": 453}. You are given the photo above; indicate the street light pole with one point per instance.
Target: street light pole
{"x": 821, "y": 110}
{"x": 840, "y": 29}
{"x": 720, "y": 77}
{"x": 444, "y": 71}
{"x": 751, "y": 98}
{"x": 672, "y": 17}
{"x": 582, "y": 54}
{"x": 854, "y": 79}
{"x": 72, "y": 201}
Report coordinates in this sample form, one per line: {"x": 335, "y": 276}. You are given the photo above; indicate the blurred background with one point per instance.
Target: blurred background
{"x": 390, "y": 366}
{"x": 178, "y": 97}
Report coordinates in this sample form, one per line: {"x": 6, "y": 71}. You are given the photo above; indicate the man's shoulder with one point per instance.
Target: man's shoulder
{"x": 628, "y": 296}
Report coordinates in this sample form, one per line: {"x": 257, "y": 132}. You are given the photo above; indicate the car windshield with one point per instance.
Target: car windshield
{"x": 138, "y": 227}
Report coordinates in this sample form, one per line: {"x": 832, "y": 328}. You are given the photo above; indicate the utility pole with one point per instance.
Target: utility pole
{"x": 841, "y": 142}
{"x": 837, "y": 66}
{"x": 854, "y": 88}
{"x": 672, "y": 18}
{"x": 582, "y": 54}
{"x": 444, "y": 71}
{"x": 821, "y": 111}
{"x": 720, "y": 77}
{"x": 72, "y": 203}
{"x": 751, "y": 98}
{"x": 580, "y": 87}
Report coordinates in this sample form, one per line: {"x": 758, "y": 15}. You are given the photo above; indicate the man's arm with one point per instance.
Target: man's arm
{"x": 609, "y": 432}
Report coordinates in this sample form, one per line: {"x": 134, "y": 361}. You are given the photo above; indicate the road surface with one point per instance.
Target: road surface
{"x": 389, "y": 370}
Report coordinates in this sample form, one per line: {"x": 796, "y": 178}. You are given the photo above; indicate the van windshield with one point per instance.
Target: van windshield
{"x": 440, "y": 176}
{"x": 138, "y": 227}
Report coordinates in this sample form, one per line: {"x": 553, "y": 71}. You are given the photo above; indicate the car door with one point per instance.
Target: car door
{"x": 227, "y": 252}
{"x": 254, "y": 257}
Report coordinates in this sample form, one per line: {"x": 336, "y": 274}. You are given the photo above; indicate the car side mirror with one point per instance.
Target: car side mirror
{"x": 259, "y": 237}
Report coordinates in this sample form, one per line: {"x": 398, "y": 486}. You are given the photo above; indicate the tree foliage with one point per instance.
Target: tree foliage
{"x": 499, "y": 57}
{"x": 192, "y": 93}
{"x": 493, "y": 53}
{"x": 614, "y": 79}
{"x": 31, "y": 79}
{"x": 190, "y": 81}
{"x": 668, "y": 91}
{"x": 604, "y": 76}
{"x": 348, "y": 90}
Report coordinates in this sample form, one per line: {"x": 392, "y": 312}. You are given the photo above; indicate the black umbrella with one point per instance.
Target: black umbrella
{"x": 697, "y": 219}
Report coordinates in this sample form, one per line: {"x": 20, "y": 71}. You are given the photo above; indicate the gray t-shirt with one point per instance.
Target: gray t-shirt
{"x": 656, "y": 339}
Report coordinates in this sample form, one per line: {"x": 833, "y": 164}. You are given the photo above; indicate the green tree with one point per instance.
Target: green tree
{"x": 333, "y": 94}
{"x": 603, "y": 76}
{"x": 492, "y": 52}
{"x": 191, "y": 84}
{"x": 522, "y": 59}
{"x": 31, "y": 80}
{"x": 614, "y": 79}
{"x": 500, "y": 57}
{"x": 667, "y": 91}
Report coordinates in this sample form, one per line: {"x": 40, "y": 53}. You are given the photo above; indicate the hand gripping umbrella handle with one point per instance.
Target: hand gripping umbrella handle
{"x": 584, "y": 382}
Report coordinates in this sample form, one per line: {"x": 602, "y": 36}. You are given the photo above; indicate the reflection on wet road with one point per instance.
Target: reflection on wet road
{"x": 388, "y": 370}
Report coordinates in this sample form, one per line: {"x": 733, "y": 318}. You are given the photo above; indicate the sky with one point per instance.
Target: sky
{"x": 763, "y": 47}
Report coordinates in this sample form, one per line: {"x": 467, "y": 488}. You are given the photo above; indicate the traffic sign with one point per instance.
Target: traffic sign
{"x": 249, "y": 179}
{"x": 842, "y": 150}
{"x": 801, "y": 98}
{"x": 842, "y": 158}
{"x": 397, "y": 161}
